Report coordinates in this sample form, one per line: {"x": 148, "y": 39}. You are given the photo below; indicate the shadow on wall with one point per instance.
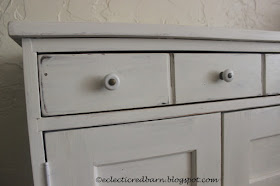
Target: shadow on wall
{"x": 14, "y": 154}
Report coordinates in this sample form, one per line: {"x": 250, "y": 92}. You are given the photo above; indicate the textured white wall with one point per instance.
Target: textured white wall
{"x": 14, "y": 153}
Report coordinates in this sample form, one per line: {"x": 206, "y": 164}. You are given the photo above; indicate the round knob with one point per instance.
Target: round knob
{"x": 112, "y": 82}
{"x": 227, "y": 75}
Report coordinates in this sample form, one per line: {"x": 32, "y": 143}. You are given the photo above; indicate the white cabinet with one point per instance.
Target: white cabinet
{"x": 156, "y": 149}
{"x": 251, "y": 148}
{"x": 150, "y": 100}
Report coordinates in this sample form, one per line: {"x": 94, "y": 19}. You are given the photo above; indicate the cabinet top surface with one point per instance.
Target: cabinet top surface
{"x": 18, "y": 30}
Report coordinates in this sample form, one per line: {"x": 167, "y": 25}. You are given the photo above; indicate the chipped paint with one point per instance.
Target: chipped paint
{"x": 245, "y": 14}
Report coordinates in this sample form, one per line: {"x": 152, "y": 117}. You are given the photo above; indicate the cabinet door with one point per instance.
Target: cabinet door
{"x": 184, "y": 148}
{"x": 252, "y": 147}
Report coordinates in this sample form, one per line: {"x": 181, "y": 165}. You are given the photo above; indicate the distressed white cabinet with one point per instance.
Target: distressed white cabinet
{"x": 129, "y": 101}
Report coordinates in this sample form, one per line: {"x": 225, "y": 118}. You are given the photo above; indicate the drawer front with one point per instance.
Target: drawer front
{"x": 272, "y": 74}
{"x": 76, "y": 83}
{"x": 183, "y": 148}
{"x": 197, "y": 76}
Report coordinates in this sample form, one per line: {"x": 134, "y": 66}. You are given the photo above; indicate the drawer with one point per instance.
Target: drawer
{"x": 272, "y": 73}
{"x": 77, "y": 83}
{"x": 197, "y": 76}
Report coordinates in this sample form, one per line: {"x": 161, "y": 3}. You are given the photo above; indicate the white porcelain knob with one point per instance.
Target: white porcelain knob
{"x": 111, "y": 82}
{"x": 227, "y": 75}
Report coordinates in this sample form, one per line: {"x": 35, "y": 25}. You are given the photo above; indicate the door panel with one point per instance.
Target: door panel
{"x": 183, "y": 148}
{"x": 179, "y": 165}
{"x": 252, "y": 147}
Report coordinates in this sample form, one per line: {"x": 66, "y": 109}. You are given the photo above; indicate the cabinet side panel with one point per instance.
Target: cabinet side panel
{"x": 33, "y": 112}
